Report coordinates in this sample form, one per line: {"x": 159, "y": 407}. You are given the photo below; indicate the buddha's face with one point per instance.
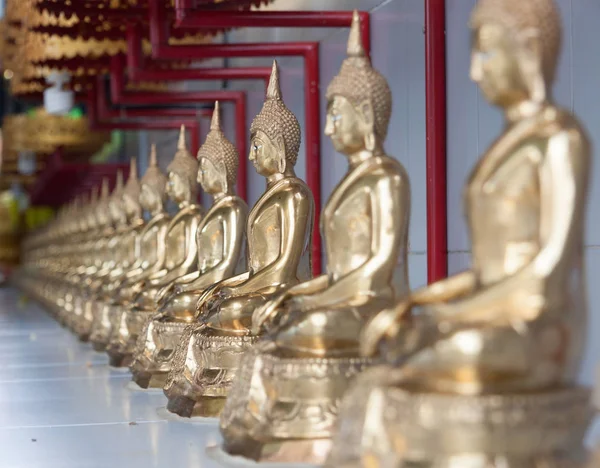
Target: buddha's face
{"x": 177, "y": 187}
{"x": 497, "y": 64}
{"x": 266, "y": 155}
{"x": 346, "y": 126}
{"x": 115, "y": 208}
{"x": 131, "y": 206}
{"x": 210, "y": 177}
{"x": 102, "y": 215}
{"x": 149, "y": 199}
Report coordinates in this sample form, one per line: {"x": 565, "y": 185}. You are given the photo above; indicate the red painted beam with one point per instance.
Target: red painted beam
{"x": 165, "y": 123}
{"x": 435, "y": 102}
{"x": 187, "y": 18}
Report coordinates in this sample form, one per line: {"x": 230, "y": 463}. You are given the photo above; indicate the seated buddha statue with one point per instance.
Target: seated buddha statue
{"x": 490, "y": 355}
{"x": 114, "y": 257}
{"x": 180, "y": 251}
{"x": 279, "y": 238}
{"x": 220, "y": 243}
{"x": 102, "y": 258}
{"x": 311, "y": 349}
{"x": 150, "y": 253}
{"x": 86, "y": 259}
{"x": 131, "y": 226}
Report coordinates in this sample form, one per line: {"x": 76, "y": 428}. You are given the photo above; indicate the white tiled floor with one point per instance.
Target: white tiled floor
{"x": 62, "y": 406}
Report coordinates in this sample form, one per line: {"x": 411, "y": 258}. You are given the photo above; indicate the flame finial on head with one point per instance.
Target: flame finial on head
{"x": 119, "y": 183}
{"x": 273, "y": 89}
{"x": 215, "y": 122}
{"x": 153, "y": 157}
{"x": 355, "y": 46}
{"x": 104, "y": 191}
{"x": 181, "y": 145}
{"x": 132, "y": 187}
{"x": 133, "y": 170}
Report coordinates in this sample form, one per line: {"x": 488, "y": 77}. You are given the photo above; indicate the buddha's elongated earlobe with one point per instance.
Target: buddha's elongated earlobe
{"x": 281, "y": 162}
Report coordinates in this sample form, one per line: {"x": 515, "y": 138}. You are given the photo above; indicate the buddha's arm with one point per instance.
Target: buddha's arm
{"x": 268, "y": 311}
{"x": 446, "y": 289}
{"x": 294, "y": 215}
{"x": 520, "y": 297}
{"x": 390, "y": 204}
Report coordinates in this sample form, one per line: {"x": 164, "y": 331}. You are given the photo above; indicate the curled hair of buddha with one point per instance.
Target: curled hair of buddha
{"x": 358, "y": 81}
{"x": 518, "y": 16}
{"x": 184, "y": 163}
{"x": 275, "y": 119}
{"x": 219, "y": 150}
{"x": 154, "y": 178}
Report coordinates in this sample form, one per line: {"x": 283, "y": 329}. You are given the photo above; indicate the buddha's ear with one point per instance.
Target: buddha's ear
{"x": 223, "y": 177}
{"x": 531, "y": 63}
{"x": 367, "y": 113}
{"x": 281, "y": 159}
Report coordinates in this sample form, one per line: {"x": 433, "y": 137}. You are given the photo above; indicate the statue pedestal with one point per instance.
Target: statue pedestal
{"x": 392, "y": 427}
{"x": 285, "y": 409}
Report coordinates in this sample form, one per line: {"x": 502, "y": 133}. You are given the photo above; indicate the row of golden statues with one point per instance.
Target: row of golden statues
{"x": 352, "y": 368}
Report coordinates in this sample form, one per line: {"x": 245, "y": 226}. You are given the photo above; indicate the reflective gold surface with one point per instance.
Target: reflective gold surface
{"x": 179, "y": 253}
{"x": 279, "y": 237}
{"x": 481, "y": 366}
{"x": 148, "y": 260}
{"x": 293, "y": 380}
{"x": 220, "y": 239}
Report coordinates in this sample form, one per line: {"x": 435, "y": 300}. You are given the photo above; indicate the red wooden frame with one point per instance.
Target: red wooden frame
{"x": 435, "y": 102}
{"x": 153, "y": 121}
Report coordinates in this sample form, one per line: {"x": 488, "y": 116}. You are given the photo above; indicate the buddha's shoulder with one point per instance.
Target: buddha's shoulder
{"x": 386, "y": 170}
{"x": 294, "y": 187}
{"x": 562, "y": 123}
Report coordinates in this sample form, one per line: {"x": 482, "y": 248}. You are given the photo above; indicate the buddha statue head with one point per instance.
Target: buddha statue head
{"x": 154, "y": 186}
{"x": 274, "y": 133}
{"x": 515, "y": 46}
{"x": 217, "y": 159}
{"x": 115, "y": 202}
{"x": 131, "y": 193}
{"x": 181, "y": 185}
{"x": 359, "y": 101}
{"x": 101, "y": 209}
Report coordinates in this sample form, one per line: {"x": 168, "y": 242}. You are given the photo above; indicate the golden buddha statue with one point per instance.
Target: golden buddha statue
{"x": 284, "y": 404}
{"x": 150, "y": 253}
{"x": 86, "y": 259}
{"x": 180, "y": 251}
{"x": 220, "y": 243}
{"x": 96, "y": 261}
{"x": 112, "y": 259}
{"x": 279, "y": 238}
{"x": 481, "y": 366}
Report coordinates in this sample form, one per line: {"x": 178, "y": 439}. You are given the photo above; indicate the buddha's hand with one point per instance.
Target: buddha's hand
{"x": 209, "y": 293}
{"x": 386, "y": 325}
{"x": 263, "y": 317}
{"x": 164, "y": 292}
